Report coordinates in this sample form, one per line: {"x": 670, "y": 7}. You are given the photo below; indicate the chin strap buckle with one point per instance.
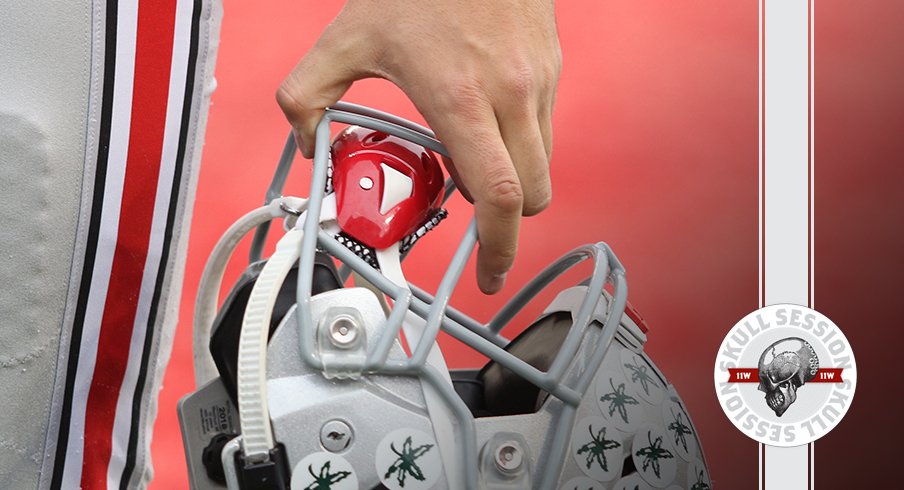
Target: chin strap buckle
{"x": 272, "y": 474}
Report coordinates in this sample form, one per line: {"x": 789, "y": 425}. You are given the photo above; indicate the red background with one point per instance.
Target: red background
{"x": 859, "y": 227}
{"x": 656, "y": 153}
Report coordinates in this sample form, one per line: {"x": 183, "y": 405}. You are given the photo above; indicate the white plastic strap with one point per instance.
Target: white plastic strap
{"x": 413, "y": 327}
{"x": 211, "y": 279}
{"x": 254, "y": 414}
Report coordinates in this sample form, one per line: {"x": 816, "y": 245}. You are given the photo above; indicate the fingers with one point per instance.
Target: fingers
{"x": 319, "y": 80}
{"x": 525, "y": 144}
{"x": 482, "y": 163}
{"x": 485, "y": 87}
{"x": 500, "y": 140}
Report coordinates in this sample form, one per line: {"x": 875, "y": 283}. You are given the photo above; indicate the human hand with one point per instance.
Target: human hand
{"x": 483, "y": 74}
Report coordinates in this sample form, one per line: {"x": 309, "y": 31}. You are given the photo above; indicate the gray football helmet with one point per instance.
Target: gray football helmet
{"x": 305, "y": 383}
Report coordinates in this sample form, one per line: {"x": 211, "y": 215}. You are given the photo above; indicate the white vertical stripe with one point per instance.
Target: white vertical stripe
{"x": 122, "y": 422}
{"x": 126, "y": 26}
{"x": 786, "y": 160}
{"x": 812, "y": 465}
{"x": 759, "y": 473}
{"x": 759, "y": 290}
{"x": 812, "y": 154}
{"x": 787, "y": 467}
{"x": 785, "y": 167}
{"x": 812, "y": 121}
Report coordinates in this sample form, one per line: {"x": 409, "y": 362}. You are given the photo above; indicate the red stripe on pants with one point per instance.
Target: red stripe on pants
{"x": 153, "y": 57}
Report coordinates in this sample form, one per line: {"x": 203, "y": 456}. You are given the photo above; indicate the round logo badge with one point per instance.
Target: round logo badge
{"x": 785, "y": 375}
{"x": 654, "y": 457}
{"x": 642, "y": 378}
{"x": 324, "y": 470}
{"x": 598, "y": 449}
{"x": 680, "y": 431}
{"x": 619, "y": 402}
{"x": 408, "y": 459}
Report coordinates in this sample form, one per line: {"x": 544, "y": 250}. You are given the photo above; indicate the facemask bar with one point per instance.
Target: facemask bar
{"x": 433, "y": 309}
{"x": 486, "y": 339}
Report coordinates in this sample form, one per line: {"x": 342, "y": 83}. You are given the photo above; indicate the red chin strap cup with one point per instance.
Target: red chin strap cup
{"x": 386, "y": 187}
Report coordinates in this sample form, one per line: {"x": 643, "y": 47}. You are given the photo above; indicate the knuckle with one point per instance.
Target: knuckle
{"x": 288, "y": 97}
{"x": 519, "y": 82}
{"x": 505, "y": 194}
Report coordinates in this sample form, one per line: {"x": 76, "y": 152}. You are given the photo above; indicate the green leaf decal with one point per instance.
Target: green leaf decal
{"x": 405, "y": 465}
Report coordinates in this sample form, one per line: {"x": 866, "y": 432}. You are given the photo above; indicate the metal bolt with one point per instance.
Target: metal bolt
{"x": 366, "y": 183}
{"x": 335, "y": 436}
{"x": 509, "y": 456}
{"x": 343, "y": 331}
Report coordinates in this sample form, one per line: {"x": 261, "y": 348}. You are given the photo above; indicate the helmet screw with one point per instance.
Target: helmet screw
{"x": 509, "y": 456}
{"x": 366, "y": 183}
{"x": 343, "y": 331}
{"x": 335, "y": 436}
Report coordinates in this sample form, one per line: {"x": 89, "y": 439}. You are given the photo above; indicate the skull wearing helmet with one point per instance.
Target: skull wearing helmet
{"x": 784, "y": 367}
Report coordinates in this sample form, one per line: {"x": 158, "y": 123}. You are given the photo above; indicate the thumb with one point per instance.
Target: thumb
{"x": 319, "y": 80}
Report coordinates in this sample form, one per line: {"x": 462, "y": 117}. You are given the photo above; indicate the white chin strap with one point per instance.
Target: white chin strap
{"x": 389, "y": 260}
{"x": 413, "y": 326}
{"x": 211, "y": 279}
{"x": 396, "y": 188}
{"x": 254, "y": 415}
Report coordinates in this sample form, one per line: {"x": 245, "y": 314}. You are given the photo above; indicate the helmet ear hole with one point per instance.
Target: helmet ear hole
{"x": 227, "y": 327}
{"x": 506, "y": 393}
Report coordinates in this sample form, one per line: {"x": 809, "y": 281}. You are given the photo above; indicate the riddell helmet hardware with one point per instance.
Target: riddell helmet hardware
{"x": 336, "y": 436}
{"x": 304, "y": 382}
{"x": 343, "y": 331}
{"x": 386, "y": 187}
{"x": 509, "y": 456}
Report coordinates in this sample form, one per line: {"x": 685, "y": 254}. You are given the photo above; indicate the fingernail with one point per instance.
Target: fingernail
{"x": 496, "y": 283}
